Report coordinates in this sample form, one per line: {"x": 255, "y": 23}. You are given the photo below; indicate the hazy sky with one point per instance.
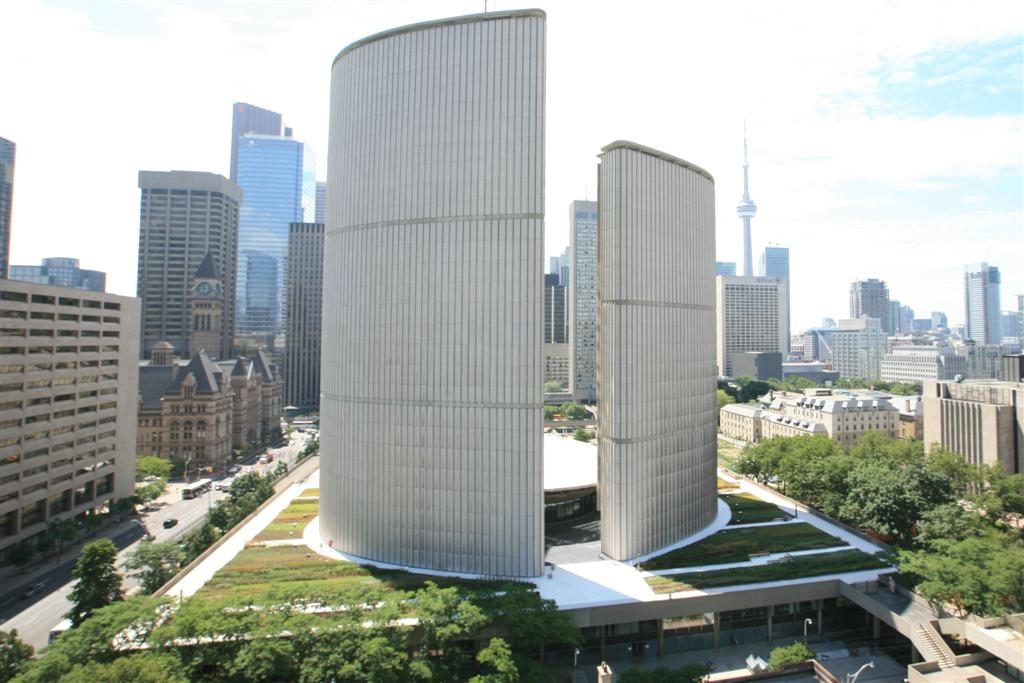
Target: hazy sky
{"x": 886, "y": 138}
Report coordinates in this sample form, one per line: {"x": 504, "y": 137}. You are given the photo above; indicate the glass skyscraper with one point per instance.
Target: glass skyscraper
{"x": 6, "y": 195}
{"x": 278, "y": 180}
{"x": 775, "y": 263}
{"x": 248, "y": 118}
{"x": 981, "y": 301}
{"x": 62, "y": 272}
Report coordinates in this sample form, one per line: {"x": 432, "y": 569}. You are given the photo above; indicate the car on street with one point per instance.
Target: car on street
{"x": 170, "y": 523}
{"x": 234, "y": 469}
{"x": 33, "y": 590}
{"x": 223, "y": 485}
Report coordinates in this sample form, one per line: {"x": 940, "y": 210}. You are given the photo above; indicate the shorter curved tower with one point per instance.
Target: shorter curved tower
{"x": 655, "y": 349}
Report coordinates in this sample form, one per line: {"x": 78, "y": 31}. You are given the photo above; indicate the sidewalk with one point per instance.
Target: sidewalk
{"x": 13, "y": 578}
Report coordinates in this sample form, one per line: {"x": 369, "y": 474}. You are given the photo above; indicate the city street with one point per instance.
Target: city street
{"x": 35, "y": 617}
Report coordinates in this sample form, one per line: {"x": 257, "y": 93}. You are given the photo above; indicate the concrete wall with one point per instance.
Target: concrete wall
{"x": 655, "y": 349}
{"x": 432, "y": 383}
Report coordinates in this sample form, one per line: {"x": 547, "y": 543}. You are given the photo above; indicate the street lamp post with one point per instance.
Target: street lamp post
{"x": 575, "y": 659}
{"x": 807, "y": 622}
{"x": 851, "y": 678}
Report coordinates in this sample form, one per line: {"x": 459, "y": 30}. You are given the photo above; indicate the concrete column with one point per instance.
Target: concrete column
{"x": 819, "y": 619}
{"x": 604, "y": 649}
{"x": 718, "y": 629}
{"x": 771, "y": 612}
{"x": 876, "y": 628}
{"x": 661, "y": 637}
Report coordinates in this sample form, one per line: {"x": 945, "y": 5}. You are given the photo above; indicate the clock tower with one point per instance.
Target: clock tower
{"x": 206, "y": 309}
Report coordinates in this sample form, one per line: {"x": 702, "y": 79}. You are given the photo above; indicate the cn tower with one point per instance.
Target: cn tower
{"x": 746, "y": 210}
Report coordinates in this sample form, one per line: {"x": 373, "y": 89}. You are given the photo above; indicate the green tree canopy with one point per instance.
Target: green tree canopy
{"x": 497, "y": 656}
{"x": 787, "y": 655}
{"x": 152, "y": 466}
{"x": 154, "y": 564}
{"x": 14, "y": 654}
{"x": 552, "y": 386}
{"x": 97, "y": 582}
{"x": 144, "y": 667}
{"x": 582, "y": 434}
{"x": 571, "y": 410}
{"x": 724, "y": 399}
{"x": 889, "y": 497}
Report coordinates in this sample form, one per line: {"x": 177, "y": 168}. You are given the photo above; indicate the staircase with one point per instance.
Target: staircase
{"x": 932, "y": 647}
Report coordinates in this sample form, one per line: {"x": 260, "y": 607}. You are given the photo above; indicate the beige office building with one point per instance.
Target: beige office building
{"x": 432, "y": 386}
{"x": 750, "y": 316}
{"x": 982, "y": 420}
{"x": 68, "y": 394}
{"x": 655, "y": 349}
{"x": 918, "y": 364}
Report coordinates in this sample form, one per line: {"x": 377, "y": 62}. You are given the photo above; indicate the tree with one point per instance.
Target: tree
{"x": 155, "y": 563}
{"x": 949, "y": 522}
{"x": 571, "y": 410}
{"x": 781, "y": 657}
{"x": 145, "y": 667}
{"x": 265, "y": 659}
{"x": 13, "y": 654}
{"x": 498, "y": 656}
{"x": 814, "y": 469}
{"x": 582, "y": 434}
{"x": 981, "y": 575}
{"x": 960, "y": 473}
{"x": 446, "y": 617}
{"x": 724, "y": 399}
{"x": 552, "y": 386}
{"x": 98, "y": 583}
{"x": 889, "y": 497}
{"x": 92, "y": 641}
{"x": 751, "y": 389}
{"x": 199, "y": 540}
{"x": 550, "y": 412}
{"x": 151, "y": 491}
{"x": 152, "y": 466}
{"x": 532, "y": 621}
{"x": 1001, "y": 494}
{"x": 281, "y": 469}
{"x": 22, "y": 553}
{"x": 761, "y": 461}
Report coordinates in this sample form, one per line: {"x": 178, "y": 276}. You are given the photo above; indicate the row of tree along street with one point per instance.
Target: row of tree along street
{"x": 957, "y": 526}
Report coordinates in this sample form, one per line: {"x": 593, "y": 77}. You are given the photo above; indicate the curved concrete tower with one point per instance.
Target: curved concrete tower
{"x": 655, "y": 349}
{"x": 432, "y": 387}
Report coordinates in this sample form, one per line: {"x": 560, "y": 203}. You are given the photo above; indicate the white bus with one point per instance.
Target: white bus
{"x": 57, "y": 630}
{"x": 195, "y": 489}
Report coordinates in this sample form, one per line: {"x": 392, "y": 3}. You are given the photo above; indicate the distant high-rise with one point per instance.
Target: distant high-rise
{"x": 939, "y": 321}
{"x": 746, "y": 210}
{"x": 184, "y": 216}
{"x": 583, "y": 300}
{"x": 304, "y": 299}
{"x": 870, "y": 299}
{"x": 277, "y": 177}
{"x": 6, "y": 200}
{"x": 1020, "y": 318}
{"x": 858, "y": 347}
{"x": 751, "y": 316}
{"x": 981, "y": 302}
{"x": 555, "y": 330}
{"x": 559, "y": 265}
{"x": 656, "y": 406}
{"x": 774, "y": 262}
{"x": 906, "y": 320}
{"x": 320, "y": 212}
{"x": 725, "y": 267}
{"x": 248, "y": 118}
{"x": 894, "y": 317}
{"x": 61, "y": 272}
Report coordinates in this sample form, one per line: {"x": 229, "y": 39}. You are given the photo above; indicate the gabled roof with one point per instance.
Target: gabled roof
{"x": 153, "y": 381}
{"x": 207, "y": 269}
{"x": 262, "y": 366}
{"x": 203, "y": 370}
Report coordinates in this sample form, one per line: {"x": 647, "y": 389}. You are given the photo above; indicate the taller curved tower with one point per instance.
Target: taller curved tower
{"x": 746, "y": 210}
{"x": 655, "y": 349}
{"x": 432, "y": 386}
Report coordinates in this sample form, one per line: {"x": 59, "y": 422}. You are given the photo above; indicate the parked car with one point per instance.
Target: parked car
{"x": 234, "y": 469}
{"x": 170, "y": 523}
{"x": 223, "y": 484}
{"x": 34, "y": 589}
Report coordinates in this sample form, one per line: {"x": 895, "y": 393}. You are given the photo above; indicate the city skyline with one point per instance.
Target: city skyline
{"x": 937, "y": 97}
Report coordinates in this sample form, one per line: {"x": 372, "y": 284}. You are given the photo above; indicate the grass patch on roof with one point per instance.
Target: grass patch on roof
{"x": 290, "y": 522}
{"x": 748, "y": 509}
{"x": 737, "y": 545}
{"x": 795, "y": 568}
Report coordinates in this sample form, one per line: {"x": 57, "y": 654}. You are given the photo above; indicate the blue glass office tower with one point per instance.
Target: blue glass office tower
{"x": 775, "y": 263}
{"x": 277, "y": 175}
